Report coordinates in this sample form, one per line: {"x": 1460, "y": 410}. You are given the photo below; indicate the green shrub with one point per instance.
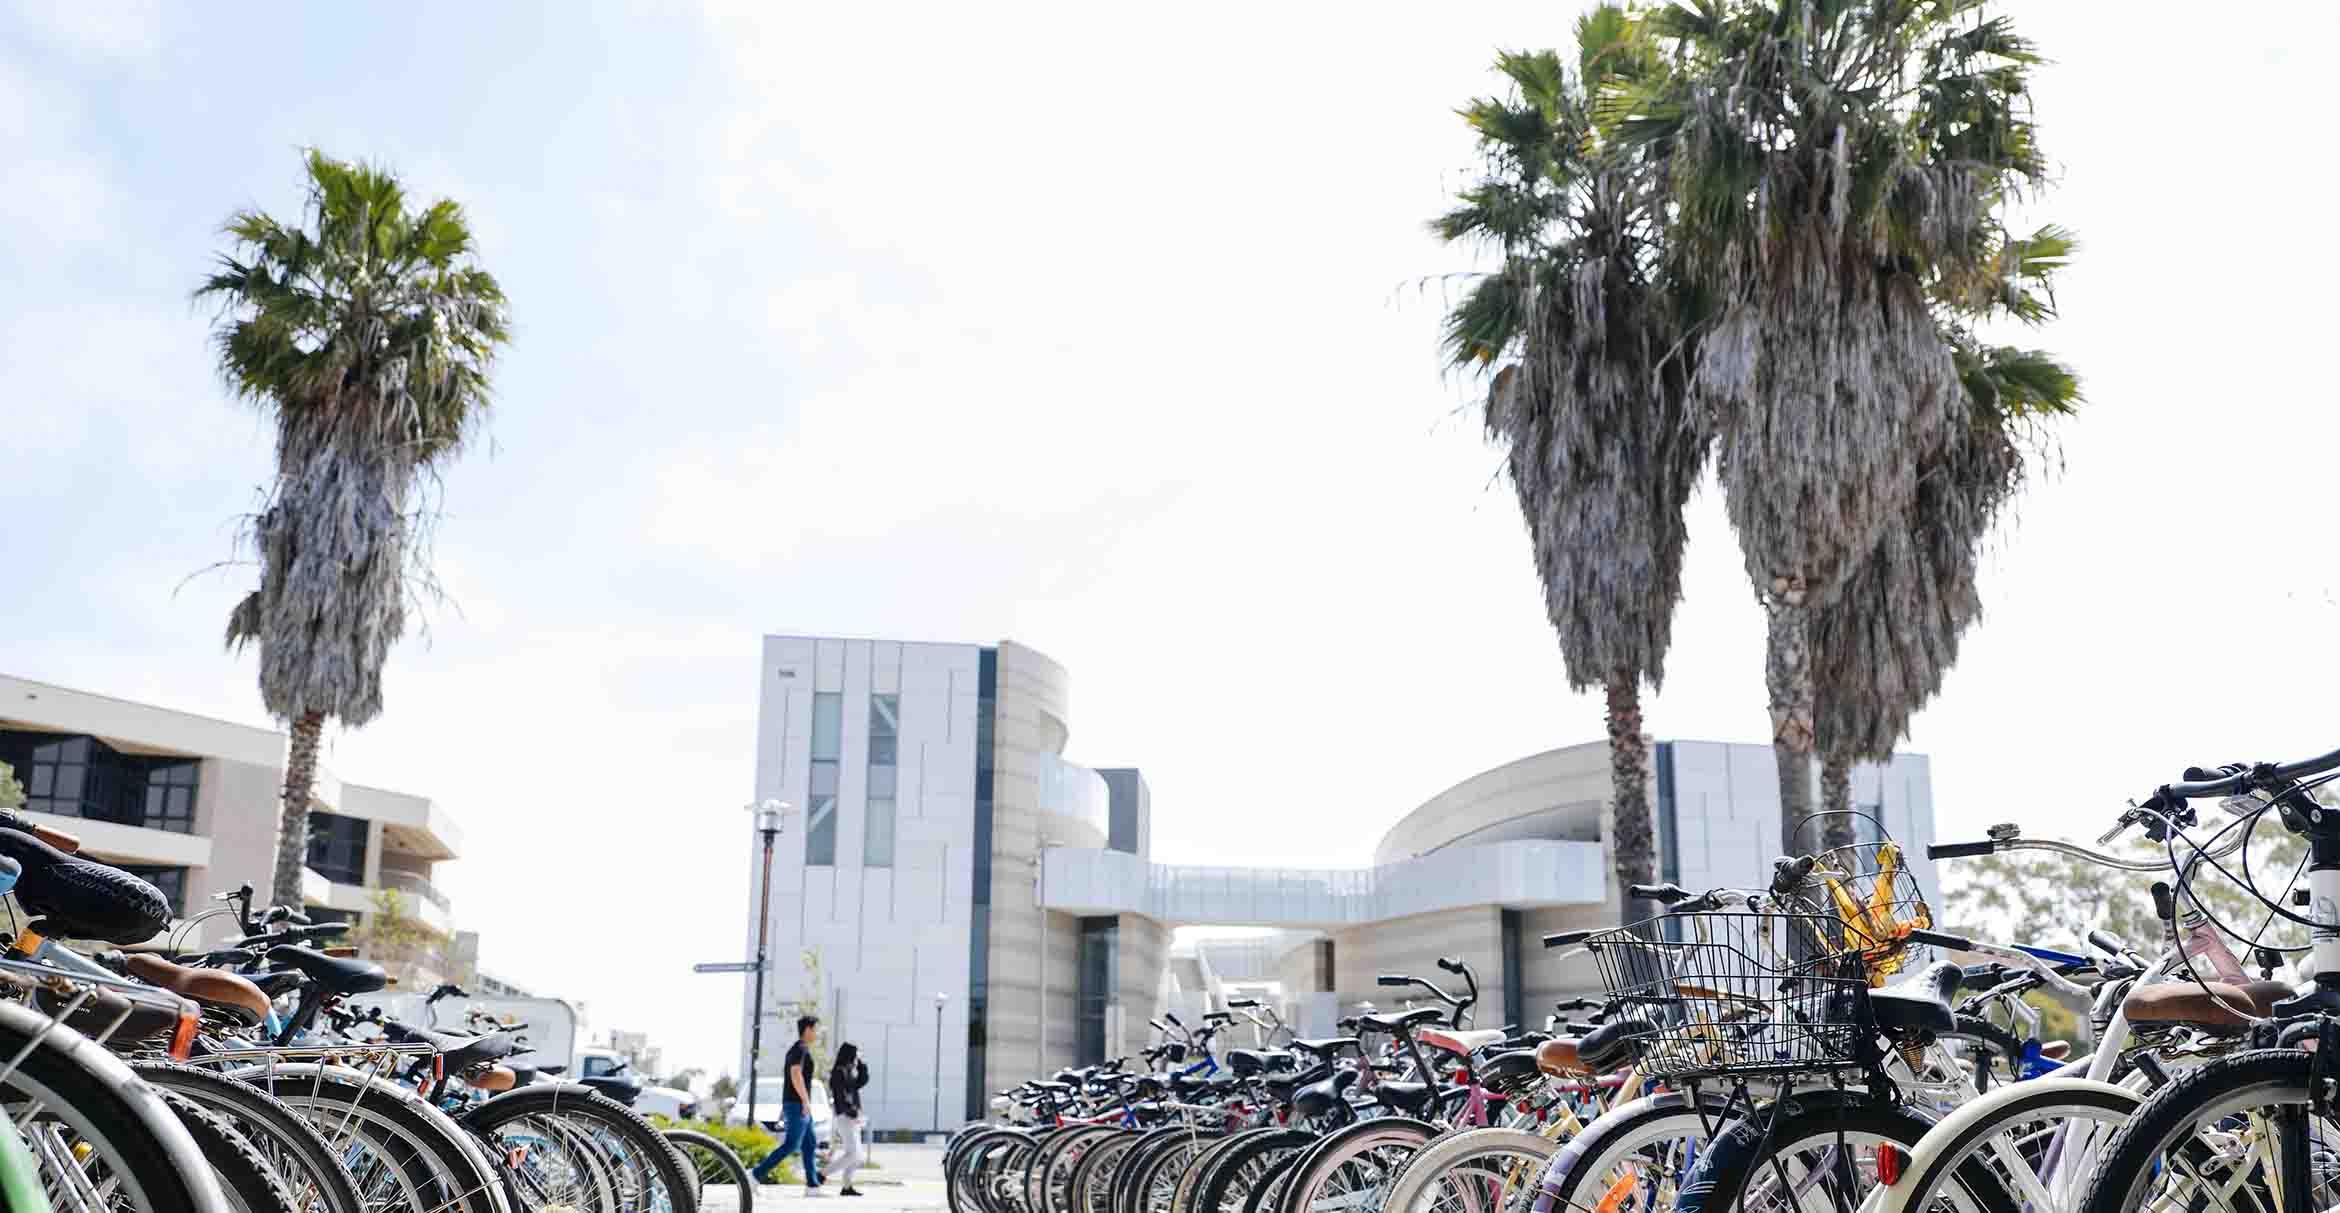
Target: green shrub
{"x": 749, "y": 1142}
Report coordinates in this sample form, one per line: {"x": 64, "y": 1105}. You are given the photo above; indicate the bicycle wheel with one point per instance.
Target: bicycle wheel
{"x": 1635, "y": 1156}
{"x": 1822, "y": 1150}
{"x": 1048, "y": 1176}
{"x": 401, "y": 1152}
{"x": 1228, "y": 1183}
{"x": 716, "y": 1166}
{"x": 998, "y": 1173}
{"x": 1138, "y": 1167}
{"x": 313, "y": 1174}
{"x": 1155, "y": 1184}
{"x": 1190, "y": 1179}
{"x": 2222, "y": 1138}
{"x": 649, "y": 1174}
{"x": 2041, "y": 1139}
{"x": 1479, "y": 1171}
{"x": 101, "y": 1137}
{"x": 246, "y": 1179}
{"x": 959, "y": 1163}
{"x": 1354, "y": 1167}
{"x": 1092, "y": 1179}
{"x": 1268, "y": 1190}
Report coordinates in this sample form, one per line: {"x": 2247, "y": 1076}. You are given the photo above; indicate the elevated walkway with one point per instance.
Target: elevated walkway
{"x": 1517, "y": 875}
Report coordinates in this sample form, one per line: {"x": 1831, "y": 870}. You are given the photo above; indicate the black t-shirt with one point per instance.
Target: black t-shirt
{"x": 799, "y": 1061}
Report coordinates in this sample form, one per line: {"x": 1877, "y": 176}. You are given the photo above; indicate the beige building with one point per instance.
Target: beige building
{"x": 191, "y": 804}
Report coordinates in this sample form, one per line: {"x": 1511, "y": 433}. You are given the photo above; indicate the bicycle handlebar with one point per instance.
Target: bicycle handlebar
{"x": 2257, "y": 776}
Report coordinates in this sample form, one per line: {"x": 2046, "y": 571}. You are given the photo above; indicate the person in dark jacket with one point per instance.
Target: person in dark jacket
{"x": 846, "y": 1079}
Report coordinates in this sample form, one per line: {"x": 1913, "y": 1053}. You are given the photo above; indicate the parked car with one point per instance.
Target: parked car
{"x": 608, "y": 1070}
{"x": 768, "y": 1109}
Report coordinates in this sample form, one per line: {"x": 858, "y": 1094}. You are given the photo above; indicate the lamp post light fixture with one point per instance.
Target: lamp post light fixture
{"x": 939, "y": 999}
{"x": 771, "y": 818}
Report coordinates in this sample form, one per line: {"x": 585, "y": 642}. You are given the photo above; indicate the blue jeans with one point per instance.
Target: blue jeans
{"x": 796, "y": 1134}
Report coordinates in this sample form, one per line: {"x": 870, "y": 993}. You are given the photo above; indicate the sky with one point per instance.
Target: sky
{"x": 1110, "y": 330}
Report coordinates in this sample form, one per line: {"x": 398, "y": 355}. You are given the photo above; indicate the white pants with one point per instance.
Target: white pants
{"x": 849, "y": 1152}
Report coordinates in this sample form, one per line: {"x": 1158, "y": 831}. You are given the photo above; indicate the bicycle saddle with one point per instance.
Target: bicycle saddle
{"x": 1318, "y": 1098}
{"x": 1409, "y": 1097}
{"x": 1919, "y": 1002}
{"x": 78, "y": 898}
{"x": 615, "y": 1086}
{"x": 331, "y": 973}
{"x": 1509, "y": 1072}
{"x": 213, "y": 989}
{"x": 1247, "y": 1062}
{"x": 1326, "y": 1047}
{"x": 2186, "y": 1002}
{"x": 276, "y": 983}
{"x": 1405, "y": 1021}
{"x": 1558, "y": 1058}
{"x": 1613, "y": 1044}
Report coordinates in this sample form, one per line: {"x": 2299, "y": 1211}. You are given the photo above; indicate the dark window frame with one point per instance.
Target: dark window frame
{"x": 335, "y": 840}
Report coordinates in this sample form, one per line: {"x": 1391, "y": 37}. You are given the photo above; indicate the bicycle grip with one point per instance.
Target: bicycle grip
{"x": 1959, "y": 850}
{"x": 1938, "y": 939}
{"x": 2106, "y": 942}
{"x": 1452, "y": 964}
{"x": 1565, "y": 939}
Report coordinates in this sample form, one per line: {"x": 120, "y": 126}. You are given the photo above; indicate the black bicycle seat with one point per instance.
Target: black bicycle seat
{"x": 331, "y": 973}
{"x": 78, "y": 898}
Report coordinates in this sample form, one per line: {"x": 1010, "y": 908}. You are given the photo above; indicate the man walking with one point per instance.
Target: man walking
{"x": 796, "y": 1126}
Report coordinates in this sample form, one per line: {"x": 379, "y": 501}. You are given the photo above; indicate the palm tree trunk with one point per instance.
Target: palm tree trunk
{"x": 1632, "y": 846}
{"x": 1787, "y": 675}
{"x": 1836, "y": 829}
{"x": 292, "y": 828}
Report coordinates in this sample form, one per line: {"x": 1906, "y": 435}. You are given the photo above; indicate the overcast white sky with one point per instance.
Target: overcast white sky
{"x": 1109, "y": 330}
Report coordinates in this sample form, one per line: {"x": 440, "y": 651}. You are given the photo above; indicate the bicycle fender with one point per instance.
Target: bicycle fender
{"x": 1947, "y": 1134}
{"x": 535, "y": 1091}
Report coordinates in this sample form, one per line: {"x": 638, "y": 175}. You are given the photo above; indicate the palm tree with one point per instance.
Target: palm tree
{"x": 1831, "y": 163}
{"x": 366, "y": 334}
{"x": 1881, "y": 648}
{"x": 1589, "y": 396}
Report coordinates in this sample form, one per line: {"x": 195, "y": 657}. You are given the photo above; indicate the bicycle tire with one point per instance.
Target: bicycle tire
{"x": 415, "y": 1146}
{"x": 703, "y": 1151}
{"x": 321, "y": 1183}
{"x": 1137, "y": 1167}
{"x": 959, "y": 1160}
{"x": 84, "y": 1090}
{"x": 1092, "y": 1179}
{"x": 246, "y": 1179}
{"x": 997, "y": 1169}
{"x": 1624, "y": 1133}
{"x": 1948, "y": 1144}
{"x": 2282, "y": 1076}
{"x": 1268, "y": 1189}
{"x": 584, "y": 1106}
{"x": 1433, "y": 1163}
{"x": 1358, "y": 1149}
{"x": 1746, "y": 1147}
{"x": 1048, "y": 1176}
{"x": 1155, "y": 1186}
{"x": 1205, "y": 1159}
{"x": 1227, "y": 1185}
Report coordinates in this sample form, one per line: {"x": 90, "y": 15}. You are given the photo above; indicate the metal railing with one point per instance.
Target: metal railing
{"x": 411, "y": 882}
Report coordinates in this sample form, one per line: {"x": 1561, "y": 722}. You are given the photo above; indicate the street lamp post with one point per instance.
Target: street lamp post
{"x": 771, "y": 815}
{"x": 939, "y": 1000}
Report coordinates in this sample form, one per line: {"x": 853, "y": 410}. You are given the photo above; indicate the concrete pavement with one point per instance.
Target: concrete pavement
{"x": 908, "y": 1180}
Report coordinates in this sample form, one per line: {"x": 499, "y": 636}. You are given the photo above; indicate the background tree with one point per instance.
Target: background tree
{"x": 393, "y": 937}
{"x": 366, "y": 333}
{"x": 11, "y": 792}
{"x": 1881, "y": 647}
{"x": 1590, "y": 398}
{"x": 1829, "y": 162}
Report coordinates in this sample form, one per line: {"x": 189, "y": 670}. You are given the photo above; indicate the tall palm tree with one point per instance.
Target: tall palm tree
{"x": 1589, "y": 395}
{"x": 1831, "y": 161}
{"x": 366, "y": 333}
{"x": 1882, "y": 647}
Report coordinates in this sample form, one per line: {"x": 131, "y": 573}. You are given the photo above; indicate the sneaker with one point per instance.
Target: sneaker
{"x": 848, "y": 1192}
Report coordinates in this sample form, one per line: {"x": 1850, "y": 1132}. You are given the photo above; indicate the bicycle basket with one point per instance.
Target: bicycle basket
{"x": 1736, "y": 992}
{"x": 1870, "y": 889}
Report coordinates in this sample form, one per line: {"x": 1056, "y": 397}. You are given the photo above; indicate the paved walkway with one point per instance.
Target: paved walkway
{"x": 909, "y": 1177}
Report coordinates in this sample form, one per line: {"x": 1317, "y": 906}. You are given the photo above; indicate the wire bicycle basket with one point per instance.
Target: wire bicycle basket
{"x": 1737, "y": 992}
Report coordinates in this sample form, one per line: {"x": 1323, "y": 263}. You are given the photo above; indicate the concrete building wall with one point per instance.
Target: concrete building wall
{"x": 1558, "y": 794}
{"x": 1722, "y": 828}
{"x": 887, "y": 939}
{"x": 236, "y": 806}
{"x": 1413, "y": 946}
{"x": 1145, "y": 946}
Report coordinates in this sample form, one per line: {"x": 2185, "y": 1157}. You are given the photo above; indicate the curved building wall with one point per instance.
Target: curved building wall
{"x": 1558, "y": 795}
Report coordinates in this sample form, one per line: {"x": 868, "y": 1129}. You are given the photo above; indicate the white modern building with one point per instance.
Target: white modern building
{"x": 964, "y": 902}
{"x": 191, "y": 804}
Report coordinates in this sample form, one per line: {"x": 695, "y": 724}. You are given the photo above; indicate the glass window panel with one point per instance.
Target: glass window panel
{"x": 827, "y": 724}
{"x": 820, "y": 833}
{"x": 68, "y": 783}
{"x": 885, "y": 715}
{"x": 881, "y": 783}
{"x": 877, "y": 839}
{"x": 44, "y": 777}
{"x": 882, "y": 750}
{"x": 337, "y": 847}
{"x": 824, "y": 779}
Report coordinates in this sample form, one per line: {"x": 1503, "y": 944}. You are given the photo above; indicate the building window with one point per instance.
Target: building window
{"x": 337, "y": 847}
{"x": 885, "y": 731}
{"x": 1098, "y": 974}
{"x": 83, "y": 777}
{"x": 820, "y": 818}
{"x": 171, "y": 881}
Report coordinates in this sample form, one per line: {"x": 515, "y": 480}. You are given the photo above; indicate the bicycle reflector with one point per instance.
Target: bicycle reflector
{"x": 1889, "y": 1163}
{"x": 183, "y": 1036}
